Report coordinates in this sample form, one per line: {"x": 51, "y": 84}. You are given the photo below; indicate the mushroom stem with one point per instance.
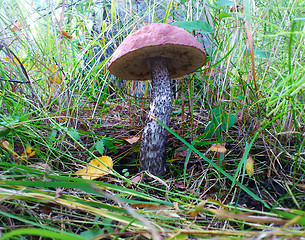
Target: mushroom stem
{"x": 154, "y": 137}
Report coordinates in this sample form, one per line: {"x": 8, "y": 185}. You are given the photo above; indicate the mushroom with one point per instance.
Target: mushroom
{"x": 157, "y": 52}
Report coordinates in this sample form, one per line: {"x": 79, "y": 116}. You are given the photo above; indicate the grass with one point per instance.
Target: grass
{"x": 250, "y": 98}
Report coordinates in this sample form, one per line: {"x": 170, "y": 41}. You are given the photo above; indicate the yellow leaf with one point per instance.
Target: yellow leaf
{"x": 8, "y": 59}
{"x": 56, "y": 75}
{"x": 96, "y": 169}
{"x": 250, "y": 166}
{"x": 29, "y": 151}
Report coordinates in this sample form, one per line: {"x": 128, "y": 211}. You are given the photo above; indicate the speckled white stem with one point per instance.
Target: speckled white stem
{"x": 154, "y": 137}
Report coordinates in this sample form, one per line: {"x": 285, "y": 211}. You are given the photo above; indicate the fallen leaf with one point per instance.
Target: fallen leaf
{"x": 56, "y": 75}
{"x": 250, "y": 166}
{"x": 179, "y": 185}
{"x": 98, "y": 169}
{"x": 132, "y": 140}
{"x": 151, "y": 206}
{"x": 46, "y": 208}
{"x": 243, "y": 216}
{"x": 44, "y": 167}
{"x": 218, "y": 148}
{"x": 16, "y": 60}
{"x": 67, "y": 35}
{"x": 59, "y": 192}
{"x": 181, "y": 153}
{"x": 63, "y": 119}
{"x": 16, "y": 26}
{"x": 8, "y": 147}
{"x": 137, "y": 179}
{"x": 198, "y": 208}
{"x": 29, "y": 152}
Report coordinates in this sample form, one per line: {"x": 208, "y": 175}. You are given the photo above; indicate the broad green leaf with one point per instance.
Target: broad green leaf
{"x": 228, "y": 121}
{"x": 52, "y": 136}
{"x": 194, "y": 25}
{"x": 219, "y": 116}
{"x": 99, "y": 145}
{"x": 224, "y": 14}
{"x": 91, "y": 233}
{"x": 4, "y": 132}
{"x": 73, "y": 133}
{"x": 223, "y": 3}
{"x": 108, "y": 144}
{"x": 259, "y": 52}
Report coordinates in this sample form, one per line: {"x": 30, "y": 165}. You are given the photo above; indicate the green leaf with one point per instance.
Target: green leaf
{"x": 228, "y": 121}
{"x": 4, "y": 132}
{"x": 194, "y": 25}
{"x": 223, "y": 14}
{"x": 91, "y": 233}
{"x": 110, "y": 146}
{"x": 107, "y": 223}
{"x": 180, "y": 236}
{"x": 125, "y": 171}
{"x": 223, "y": 3}
{"x": 99, "y": 145}
{"x": 73, "y": 133}
{"x": 219, "y": 116}
{"x": 52, "y": 136}
{"x": 259, "y": 52}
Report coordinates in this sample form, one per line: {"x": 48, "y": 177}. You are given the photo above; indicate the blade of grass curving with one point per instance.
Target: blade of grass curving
{"x": 41, "y": 233}
{"x": 167, "y": 12}
{"x": 218, "y": 168}
{"x": 243, "y": 161}
{"x": 81, "y": 184}
{"x": 290, "y": 46}
{"x": 46, "y": 229}
{"x": 81, "y": 204}
{"x": 186, "y": 162}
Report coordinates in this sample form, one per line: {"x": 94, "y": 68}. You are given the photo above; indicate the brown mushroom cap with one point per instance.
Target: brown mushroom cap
{"x": 183, "y": 52}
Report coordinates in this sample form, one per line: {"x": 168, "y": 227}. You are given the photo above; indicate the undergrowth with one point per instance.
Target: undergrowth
{"x": 60, "y": 108}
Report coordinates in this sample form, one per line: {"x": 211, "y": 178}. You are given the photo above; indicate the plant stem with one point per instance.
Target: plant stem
{"x": 154, "y": 138}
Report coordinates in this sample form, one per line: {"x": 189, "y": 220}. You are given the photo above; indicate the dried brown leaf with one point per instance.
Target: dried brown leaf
{"x": 221, "y": 213}
{"x": 132, "y": 140}
{"x": 218, "y": 148}
{"x": 151, "y": 206}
